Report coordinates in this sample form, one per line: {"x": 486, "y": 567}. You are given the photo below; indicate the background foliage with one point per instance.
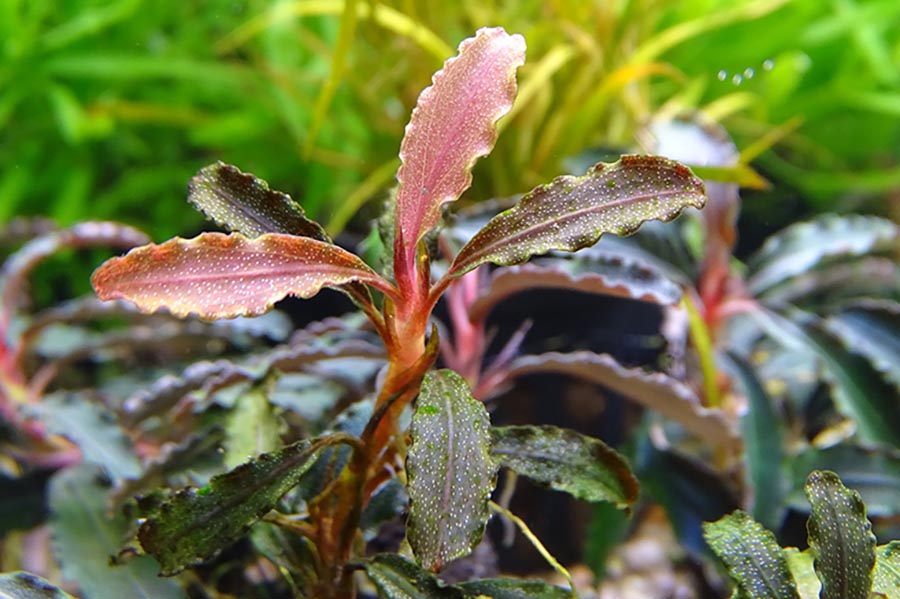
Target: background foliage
{"x": 107, "y": 108}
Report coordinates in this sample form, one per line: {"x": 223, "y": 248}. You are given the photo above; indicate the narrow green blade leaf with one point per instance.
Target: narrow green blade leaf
{"x": 451, "y": 471}
{"x": 399, "y": 578}
{"x": 841, "y": 537}
{"x": 196, "y": 523}
{"x": 752, "y": 556}
{"x": 571, "y": 213}
{"x": 223, "y": 276}
{"x": 453, "y": 124}
{"x": 506, "y": 588}
{"x": 886, "y": 579}
{"x": 761, "y": 427}
{"x": 567, "y": 461}
{"x": 23, "y": 585}
{"x": 84, "y": 537}
{"x": 805, "y": 246}
{"x": 245, "y": 204}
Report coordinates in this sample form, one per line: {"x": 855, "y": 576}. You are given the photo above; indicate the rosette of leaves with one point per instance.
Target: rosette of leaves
{"x": 274, "y": 251}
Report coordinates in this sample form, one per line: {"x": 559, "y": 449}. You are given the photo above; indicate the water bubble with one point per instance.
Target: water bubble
{"x": 768, "y": 64}
{"x": 737, "y": 79}
{"x": 722, "y": 75}
{"x": 749, "y": 73}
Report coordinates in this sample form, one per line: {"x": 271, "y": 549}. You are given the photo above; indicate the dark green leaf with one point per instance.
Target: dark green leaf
{"x": 567, "y": 461}
{"x": 196, "y": 523}
{"x": 687, "y": 486}
{"x": 752, "y": 556}
{"x": 841, "y": 537}
{"x": 84, "y": 538}
{"x": 571, "y": 213}
{"x": 504, "y": 588}
{"x": 873, "y": 473}
{"x": 872, "y": 330}
{"x": 398, "y": 578}
{"x": 762, "y": 432}
{"x": 23, "y": 500}
{"x": 23, "y": 585}
{"x": 804, "y": 246}
{"x": 451, "y": 471}
{"x": 859, "y": 391}
{"x": 243, "y": 203}
{"x": 886, "y": 578}
{"x": 93, "y": 430}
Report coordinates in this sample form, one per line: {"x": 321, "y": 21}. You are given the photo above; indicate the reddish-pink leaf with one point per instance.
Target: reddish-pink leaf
{"x": 571, "y": 213}
{"x": 453, "y": 125}
{"x": 224, "y": 276}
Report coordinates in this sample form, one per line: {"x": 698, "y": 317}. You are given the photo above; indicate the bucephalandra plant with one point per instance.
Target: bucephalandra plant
{"x": 450, "y": 455}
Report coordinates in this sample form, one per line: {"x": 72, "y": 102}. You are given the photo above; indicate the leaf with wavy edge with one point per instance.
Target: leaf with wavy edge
{"x": 753, "y": 558}
{"x": 244, "y": 203}
{"x": 567, "y": 461}
{"x": 805, "y": 246}
{"x": 19, "y": 265}
{"x": 657, "y": 391}
{"x": 197, "y": 523}
{"x": 873, "y": 472}
{"x": 451, "y": 471}
{"x": 605, "y": 275}
{"x": 840, "y": 537}
{"x": 571, "y": 213}
{"x": 871, "y": 329}
{"x": 452, "y": 125}
{"x": 223, "y": 276}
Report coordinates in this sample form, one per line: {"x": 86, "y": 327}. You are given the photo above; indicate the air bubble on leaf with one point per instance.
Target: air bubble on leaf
{"x": 768, "y": 64}
{"x": 722, "y": 75}
{"x": 737, "y": 79}
{"x": 749, "y": 73}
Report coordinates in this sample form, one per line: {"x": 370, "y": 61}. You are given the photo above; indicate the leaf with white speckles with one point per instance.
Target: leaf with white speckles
{"x": 196, "y": 523}
{"x": 245, "y": 204}
{"x": 568, "y": 461}
{"x": 453, "y": 124}
{"x": 753, "y": 558}
{"x": 571, "y": 213}
{"x": 451, "y": 471}
{"x": 223, "y": 276}
{"x": 840, "y": 536}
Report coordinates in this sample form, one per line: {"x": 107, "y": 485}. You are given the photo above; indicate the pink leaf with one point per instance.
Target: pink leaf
{"x": 224, "y": 276}
{"x": 453, "y": 125}
{"x": 571, "y": 213}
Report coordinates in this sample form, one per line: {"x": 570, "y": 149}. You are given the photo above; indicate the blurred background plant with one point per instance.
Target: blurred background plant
{"x": 107, "y": 108}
